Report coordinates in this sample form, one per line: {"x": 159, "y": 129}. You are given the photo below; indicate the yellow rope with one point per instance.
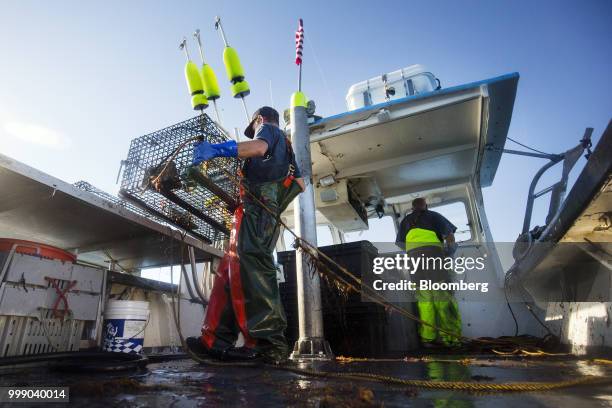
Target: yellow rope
{"x": 539, "y": 353}
{"x": 424, "y": 359}
{"x": 523, "y": 352}
{"x": 601, "y": 361}
{"x": 456, "y": 385}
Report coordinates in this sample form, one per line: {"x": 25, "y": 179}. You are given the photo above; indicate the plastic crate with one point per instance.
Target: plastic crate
{"x": 351, "y": 326}
{"x": 21, "y": 335}
{"x": 33, "y": 318}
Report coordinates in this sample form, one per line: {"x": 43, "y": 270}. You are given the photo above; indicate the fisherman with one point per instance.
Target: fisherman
{"x": 422, "y": 233}
{"x": 245, "y": 297}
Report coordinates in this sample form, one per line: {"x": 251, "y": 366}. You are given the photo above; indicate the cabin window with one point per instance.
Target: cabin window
{"x": 457, "y": 214}
{"x": 324, "y": 237}
{"x": 367, "y": 98}
{"x": 410, "y": 87}
{"x": 380, "y": 230}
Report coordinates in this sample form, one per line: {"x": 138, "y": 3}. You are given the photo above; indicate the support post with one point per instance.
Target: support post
{"x": 311, "y": 344}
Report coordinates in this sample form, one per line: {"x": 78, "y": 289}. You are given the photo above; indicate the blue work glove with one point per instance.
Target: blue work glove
{"x": 204, "y": 151}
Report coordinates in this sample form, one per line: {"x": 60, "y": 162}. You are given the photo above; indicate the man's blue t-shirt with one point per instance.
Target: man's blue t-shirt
{"x": 426, "y": 219}
{"x": 274, "y": 165}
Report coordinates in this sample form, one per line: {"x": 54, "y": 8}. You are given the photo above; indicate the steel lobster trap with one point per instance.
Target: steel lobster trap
{"x": 159, "y": 177}
{"x": 85, "y": 186}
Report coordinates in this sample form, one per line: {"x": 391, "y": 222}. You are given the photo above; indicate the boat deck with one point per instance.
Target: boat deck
{"x": 185, "y": 383}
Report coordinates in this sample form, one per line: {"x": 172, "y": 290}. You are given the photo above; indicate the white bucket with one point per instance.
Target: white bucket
{"x": 124, "y": 325}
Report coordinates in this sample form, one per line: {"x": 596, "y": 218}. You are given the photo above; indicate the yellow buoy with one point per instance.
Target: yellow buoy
{"x": 194, "y": 84}
{"x": 209, "y": 79}
{"x": 240, "y": 89}
{"x": 234, "y": 70}
{"x": 233, "y": 67}
{"x": 199, "y": 102}
{"x": 194, "y": 81}
{"x": 209, "y": 82}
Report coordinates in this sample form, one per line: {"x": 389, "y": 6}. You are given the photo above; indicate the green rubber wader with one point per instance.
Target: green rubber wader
{"x": 245, "y": 296}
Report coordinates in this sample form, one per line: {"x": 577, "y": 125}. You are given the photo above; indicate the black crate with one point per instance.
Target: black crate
{"x": 181, "y": 202}
{"x": 354, "y": 256}
{"x": 351, "y": 326}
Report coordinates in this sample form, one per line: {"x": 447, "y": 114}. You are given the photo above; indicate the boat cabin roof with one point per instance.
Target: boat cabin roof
{"x": 421, "y": 142}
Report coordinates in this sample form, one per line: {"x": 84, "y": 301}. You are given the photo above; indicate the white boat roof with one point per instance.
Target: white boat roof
{"x": 420, "y": 142}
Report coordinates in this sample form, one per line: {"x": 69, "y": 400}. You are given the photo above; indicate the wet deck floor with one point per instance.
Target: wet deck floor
{"x": 184, "y": 383}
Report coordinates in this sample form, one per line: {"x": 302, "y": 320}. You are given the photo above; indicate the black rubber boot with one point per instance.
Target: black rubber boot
{"x": 242, "y": 354}
{"x": 196, "y": 347}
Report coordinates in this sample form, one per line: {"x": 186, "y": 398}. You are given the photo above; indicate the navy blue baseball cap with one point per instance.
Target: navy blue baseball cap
{"x": 267, "y": 112}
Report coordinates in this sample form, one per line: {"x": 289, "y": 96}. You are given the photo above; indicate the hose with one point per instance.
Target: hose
{"x": 194, "y": 275}
{"x": 190, "y": 290}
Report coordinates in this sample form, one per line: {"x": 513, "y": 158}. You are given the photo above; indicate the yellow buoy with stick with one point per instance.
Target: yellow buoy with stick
{"x": 194, "y": 81}
{"x": 209, "y": 79}
{"x": 233, "y": 69}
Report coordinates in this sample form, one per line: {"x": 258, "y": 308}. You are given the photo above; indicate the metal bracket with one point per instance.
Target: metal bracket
{"x": 312, "y": 348}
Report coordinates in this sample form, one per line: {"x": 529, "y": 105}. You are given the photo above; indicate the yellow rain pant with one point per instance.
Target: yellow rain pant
{"x": 439, "y": 308}
{"x": 436, "y": 307}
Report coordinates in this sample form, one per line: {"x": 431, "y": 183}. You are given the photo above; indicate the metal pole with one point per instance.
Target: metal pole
{"x": 530, "y": 154}
{"x": 311, "y": 343}
{"x": 183, "y": 46}
{"x": 219, "y": 27}
{"x": 246, "y": 112}
{"x": 101, "y": 306}
{"x": 531, "y": 196}
{"x": 271, "y": 96}
{"x": 300, "y": 78}
{"x": 196, "y": 35}
{"x": 216, "y": 111}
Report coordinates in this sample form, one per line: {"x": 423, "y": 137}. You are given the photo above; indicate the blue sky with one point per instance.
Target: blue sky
{"x": 78, "y": 81}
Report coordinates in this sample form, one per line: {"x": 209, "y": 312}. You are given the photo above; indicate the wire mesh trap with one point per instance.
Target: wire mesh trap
{"x": 158, "y": 176}
{"x": 85, "y": 186}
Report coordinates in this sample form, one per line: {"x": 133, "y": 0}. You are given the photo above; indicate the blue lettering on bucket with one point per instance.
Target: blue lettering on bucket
{"x": 116, "y": 341}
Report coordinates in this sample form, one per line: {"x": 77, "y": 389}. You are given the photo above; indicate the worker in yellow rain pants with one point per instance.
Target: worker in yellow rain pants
{"x": 422, "y": 233}
{"x": 439, "y": 308}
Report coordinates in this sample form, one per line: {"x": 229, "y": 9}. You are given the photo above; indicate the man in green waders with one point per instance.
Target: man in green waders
{"x": 245, "y": 297}
{"x": 422, "y": 233}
